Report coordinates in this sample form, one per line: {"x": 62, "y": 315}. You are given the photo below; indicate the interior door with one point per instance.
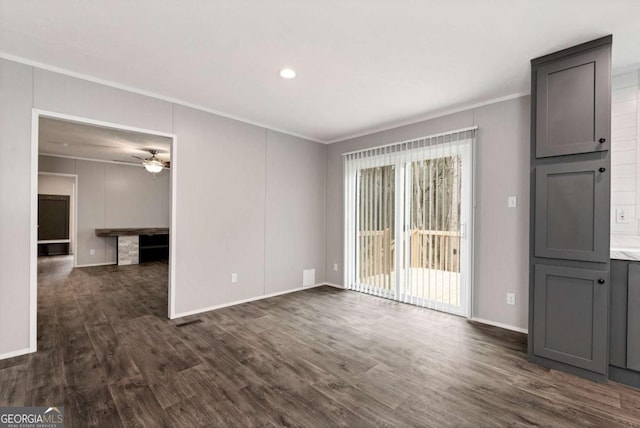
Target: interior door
{"x": 53, "y": 217}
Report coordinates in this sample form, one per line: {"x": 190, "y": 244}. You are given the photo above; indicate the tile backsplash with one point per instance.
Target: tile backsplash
{"x": 625, "y": 160}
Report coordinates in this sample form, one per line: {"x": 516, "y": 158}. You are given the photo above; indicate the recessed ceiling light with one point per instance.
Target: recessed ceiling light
{"x": 287, "y": 73}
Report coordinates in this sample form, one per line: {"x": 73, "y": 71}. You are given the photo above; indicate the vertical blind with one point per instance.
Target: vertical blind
{"x": 408, "y": 211}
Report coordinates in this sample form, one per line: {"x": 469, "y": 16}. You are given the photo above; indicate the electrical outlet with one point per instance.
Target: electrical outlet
{"x": 335, "y": 267}
{"x": 512, "y": 201}
{"x": 234, "y": 278}
{"x": 622, "y": 215}
{"x": 92, "y": 252}
{"x": 511, "y": 298}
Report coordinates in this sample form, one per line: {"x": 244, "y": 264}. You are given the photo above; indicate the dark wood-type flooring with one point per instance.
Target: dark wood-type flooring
{"x": 322, "y": 357}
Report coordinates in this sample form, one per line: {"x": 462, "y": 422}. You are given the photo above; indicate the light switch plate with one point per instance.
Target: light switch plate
{"x": 234, "y": 278}
{"x": 511, "y": 298}
{"x": 512, "y": 202}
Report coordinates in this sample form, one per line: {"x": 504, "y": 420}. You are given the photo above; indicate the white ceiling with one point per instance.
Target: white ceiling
{"x": 63, "y": 138}
{"x": 362, "y": 65}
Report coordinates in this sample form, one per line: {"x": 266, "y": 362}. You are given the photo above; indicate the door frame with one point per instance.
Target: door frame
{"x": 74, "y": 226}
{"x": 36, "y": 114}
{"x": 467, "y": 151}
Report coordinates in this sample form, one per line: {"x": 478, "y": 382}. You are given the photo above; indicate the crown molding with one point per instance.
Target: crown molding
{"x": 431, "y": 116}
{"x": 177, "y": 101}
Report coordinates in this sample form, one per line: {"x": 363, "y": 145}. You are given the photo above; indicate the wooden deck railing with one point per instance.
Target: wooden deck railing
{"x": 430, "y": 249}
{"x": 435, "y": 249}
{"x": 377, "y": 252}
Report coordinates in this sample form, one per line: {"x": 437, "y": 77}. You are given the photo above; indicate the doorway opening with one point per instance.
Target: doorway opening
{"x": 57, "y": 214}
{"x": 103, "y": 217}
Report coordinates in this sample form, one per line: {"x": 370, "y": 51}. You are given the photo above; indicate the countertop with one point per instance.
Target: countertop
{"x": 132, "y": 231}
{"x": 625, "y": 247}
{"x": 625, "y": 254}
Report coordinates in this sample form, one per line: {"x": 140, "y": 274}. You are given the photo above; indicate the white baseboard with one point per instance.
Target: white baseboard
{"x": 334, "y": 285}
{"x": 500, "y": 325}
{"x": 250, "y": 299}
{"x": 15, "y": 353}
{"x": 97, "y": 264}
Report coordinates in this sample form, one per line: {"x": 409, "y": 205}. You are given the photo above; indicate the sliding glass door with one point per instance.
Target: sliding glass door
{"x": 376, "y": 229}
{"x": 434, "y": 224}
{"x": 408, "y": 223}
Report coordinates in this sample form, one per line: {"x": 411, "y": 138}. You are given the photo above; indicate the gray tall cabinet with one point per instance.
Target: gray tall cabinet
{"x": 570, "y": 209}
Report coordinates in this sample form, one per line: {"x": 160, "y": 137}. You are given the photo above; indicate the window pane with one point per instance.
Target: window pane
{"x": 376, "y": 234}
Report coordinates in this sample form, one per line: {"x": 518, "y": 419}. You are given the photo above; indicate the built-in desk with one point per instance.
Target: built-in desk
{"x": 139, "y": 244}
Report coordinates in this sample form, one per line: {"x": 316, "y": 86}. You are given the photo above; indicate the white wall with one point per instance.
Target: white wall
{"x": 501, "y": 252}
{"x": 625, "y": 162}
{"x": 15, "y": 205}
{"x": 259, "y": 212}
{"x": 222, "y": 193}
{"x": 229, "y": 194}
{"x": 60, "y": 185}
{"x": 112, "y": 195}
{"x": 292, "y": 222}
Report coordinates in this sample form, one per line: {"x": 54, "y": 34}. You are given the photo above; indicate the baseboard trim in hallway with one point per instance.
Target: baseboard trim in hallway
{"x": 250, "y": 299}
{"x": 97, "y": 264}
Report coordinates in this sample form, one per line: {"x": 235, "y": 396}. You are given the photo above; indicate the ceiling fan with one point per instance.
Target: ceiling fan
{"x": 153, "y": 164}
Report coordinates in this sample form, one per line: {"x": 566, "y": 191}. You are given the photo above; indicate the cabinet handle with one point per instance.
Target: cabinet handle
{"x": 602, "y": 169}
{"x": 601, "y": 281}
{"x": 602, "y": 140}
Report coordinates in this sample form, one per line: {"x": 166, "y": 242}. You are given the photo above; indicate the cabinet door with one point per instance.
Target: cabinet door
{"x": 573, "y": 104}
{"x": 633, "y": 318}
{"x": 572, "y": 211}
{"x": 571, "y": 315}
{"x": 619, "y": 277}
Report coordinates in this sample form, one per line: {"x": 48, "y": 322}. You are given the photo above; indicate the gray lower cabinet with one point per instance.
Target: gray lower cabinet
{"x": 571, "y": 218}
{"x": 570, "y": 319}
{"x": 633, "y": 318}
{"x": 618, "y": 313}
{"x": 573, "y": 104}
{"x": 624, "y": 326}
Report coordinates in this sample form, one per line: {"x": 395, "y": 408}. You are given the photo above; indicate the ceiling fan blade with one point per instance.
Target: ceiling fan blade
{"x": 138, "y": 157}
{"x": 131, "y": 162}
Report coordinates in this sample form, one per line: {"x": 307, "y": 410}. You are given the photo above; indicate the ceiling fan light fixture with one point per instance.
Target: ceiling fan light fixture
{"x": 153, "y": 165}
